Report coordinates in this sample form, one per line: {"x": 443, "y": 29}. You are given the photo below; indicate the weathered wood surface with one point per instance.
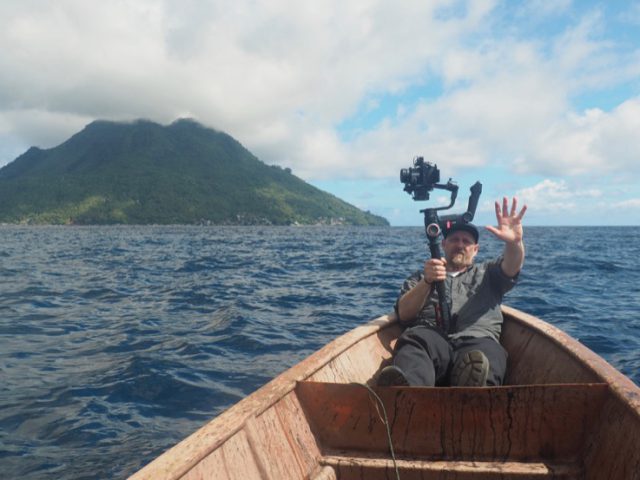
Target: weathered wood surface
{"x": 269, "y": 434}
{"x": 326, "y": 363}
{"x": 523, "y": 423}
{"x": 382, "y": 468}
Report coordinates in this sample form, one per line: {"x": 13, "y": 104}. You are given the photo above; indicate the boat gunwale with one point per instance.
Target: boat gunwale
{"x": 624, "y": 389}
{"x": 254, "y": 404}
{"x": 214, "y": 433}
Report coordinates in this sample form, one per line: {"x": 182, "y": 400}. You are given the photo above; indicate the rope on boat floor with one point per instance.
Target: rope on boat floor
{"x": 385, "y": 420}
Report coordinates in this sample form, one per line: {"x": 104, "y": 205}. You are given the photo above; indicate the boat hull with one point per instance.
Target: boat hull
{"x": 563, "y": 412}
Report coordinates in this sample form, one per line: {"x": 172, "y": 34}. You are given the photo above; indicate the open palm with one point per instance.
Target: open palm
{"x": 509, "y": 227}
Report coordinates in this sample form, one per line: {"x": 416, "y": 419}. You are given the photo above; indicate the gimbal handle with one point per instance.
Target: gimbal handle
{"x": 433, "y": 228}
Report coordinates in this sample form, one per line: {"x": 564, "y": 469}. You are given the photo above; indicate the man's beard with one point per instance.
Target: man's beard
{"x": 459, "y": 260}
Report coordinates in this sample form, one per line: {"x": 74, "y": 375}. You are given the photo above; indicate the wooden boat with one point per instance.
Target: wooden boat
{"x": 564, "y": 413}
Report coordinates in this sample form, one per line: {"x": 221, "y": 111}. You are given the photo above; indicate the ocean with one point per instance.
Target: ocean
{"x": 117, "y": 342}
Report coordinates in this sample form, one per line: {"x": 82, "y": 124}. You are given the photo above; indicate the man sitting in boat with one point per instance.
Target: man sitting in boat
{"x": 471, "y": 355}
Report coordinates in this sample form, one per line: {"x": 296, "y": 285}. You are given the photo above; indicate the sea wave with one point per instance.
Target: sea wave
{"x": 117, "y": 342}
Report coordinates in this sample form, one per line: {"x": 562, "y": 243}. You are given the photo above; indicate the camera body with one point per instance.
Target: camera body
{"x": 420, "y": 179}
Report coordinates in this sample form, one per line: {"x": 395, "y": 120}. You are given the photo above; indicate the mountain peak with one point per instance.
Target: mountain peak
{"x": 142, "y": 172}
{"x": 187, "y": 121}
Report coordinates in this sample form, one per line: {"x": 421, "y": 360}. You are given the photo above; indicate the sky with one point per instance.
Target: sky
{"x": 535, "y": 99}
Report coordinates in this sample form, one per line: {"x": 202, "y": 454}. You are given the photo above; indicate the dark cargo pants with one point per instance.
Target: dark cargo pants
{"x": 426, "y": 356}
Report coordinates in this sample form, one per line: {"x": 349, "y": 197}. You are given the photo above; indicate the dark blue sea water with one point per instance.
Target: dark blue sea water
{"x": 117, "y": 342}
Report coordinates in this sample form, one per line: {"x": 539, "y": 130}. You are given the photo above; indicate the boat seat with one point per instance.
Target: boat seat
{"x": 525, "y": 430}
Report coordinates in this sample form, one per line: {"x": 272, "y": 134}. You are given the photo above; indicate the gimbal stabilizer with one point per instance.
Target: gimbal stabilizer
{"x": 418, "y": 181}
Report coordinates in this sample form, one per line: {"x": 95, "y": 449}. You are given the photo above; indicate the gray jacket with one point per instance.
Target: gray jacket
{"x": 474, "y": 296}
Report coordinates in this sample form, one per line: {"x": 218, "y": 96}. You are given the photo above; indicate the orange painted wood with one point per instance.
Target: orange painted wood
{"x": 486, "y": 424}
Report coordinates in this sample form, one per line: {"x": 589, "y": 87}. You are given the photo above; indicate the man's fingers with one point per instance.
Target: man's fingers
{"x": 521, "y": 214}
{"x": 502, "y": 211}
{"x": 435, "y": 262}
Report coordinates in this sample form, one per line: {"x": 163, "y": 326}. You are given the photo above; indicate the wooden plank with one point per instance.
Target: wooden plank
{"x": 540, "y": 353}
{"x": 484, "y": 424}
{"x": 565, "y": 360}
{"x": 554, "y": 363}
{"x": 325, "y": 473}
{"x": 260, "y": 438}
{"x": 372, "y": 468}
{"x": 301, "y": 439}
{"x": 613, "y": 452}
{"x": 361, "y": 362}
{"x": 211, "y": 467}
{"x": 270, "y": 443}
{"x": 183, "y": 457}
{"x": 234, "y": 461}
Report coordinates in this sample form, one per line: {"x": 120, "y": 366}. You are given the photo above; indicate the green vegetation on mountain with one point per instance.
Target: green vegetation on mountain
{"x": 145, "y": 173}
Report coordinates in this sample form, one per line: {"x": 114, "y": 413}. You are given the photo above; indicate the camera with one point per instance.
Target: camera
{"x": 420, "y": 179}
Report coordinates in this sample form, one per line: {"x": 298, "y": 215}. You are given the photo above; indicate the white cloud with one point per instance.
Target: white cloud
{"x": 239, "y": 66}
{"x": 510, "y": 103}
{"x": 595, "y": 143}
{"x": 555, "y": 196}
{"x": 39, "y": 128}
{"x": 573, "y": 202}
{"x": 280, "y": 75}
{"x": 632, "y": 203}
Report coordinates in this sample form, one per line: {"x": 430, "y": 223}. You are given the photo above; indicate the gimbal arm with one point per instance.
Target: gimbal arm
{"x": 433, "y": 227}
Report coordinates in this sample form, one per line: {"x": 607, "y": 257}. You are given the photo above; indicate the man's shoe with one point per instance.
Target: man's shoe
{"x": 392, "y": 376}
{"x": 470, "y": 370}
